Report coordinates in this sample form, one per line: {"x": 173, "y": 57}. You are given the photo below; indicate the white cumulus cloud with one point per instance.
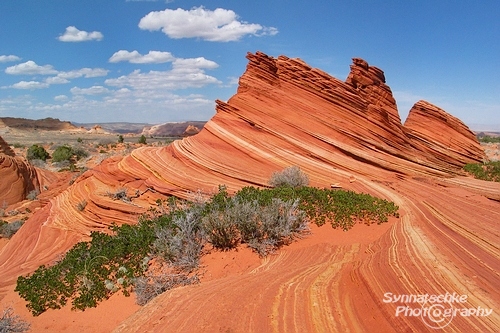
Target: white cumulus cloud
{"x": 9, "y": 58}
{"x": 94, "y": 90}
{"x": 153, "y": 57}
{"x": 185, "y": 73}
{"x": 83, "y": 72}
{"x": 72, "y": 34}
{"x": 61, "y": 98}
{"x": 56, "y": 80}
{"x": 30, "y": 85}
{"x": 194, "y": 63}
{"x": 30, "y": 68}
{"x": 162, "y": 80}
{"x": 219, "y": 25}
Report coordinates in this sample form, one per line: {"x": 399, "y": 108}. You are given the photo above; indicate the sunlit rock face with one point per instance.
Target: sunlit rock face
{"x": 339, "y": 132}
{"x": 17, "y": 176}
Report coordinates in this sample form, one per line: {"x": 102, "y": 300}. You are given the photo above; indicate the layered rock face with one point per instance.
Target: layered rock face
{"x": 17, "y": 176}
{"x": 288, "y": 113}
{"x": 441, "y": 135}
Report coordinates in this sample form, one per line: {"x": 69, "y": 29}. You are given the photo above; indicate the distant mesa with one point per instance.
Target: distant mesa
{"x": 48, "y": 124}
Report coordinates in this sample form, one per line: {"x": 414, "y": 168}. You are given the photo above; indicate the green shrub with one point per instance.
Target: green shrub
{"x": 488, "y": 139}
{"x": 489, "y": 171}
{"x": 62, "y": 153}
{"x": 67, "y": 153}
{"x": 291, "y": 176}
{"x": 142, "y": 140}
{"x": 10, "y": 323}
{"x": 36, "y": 152}
{"x": 120, "y": 138}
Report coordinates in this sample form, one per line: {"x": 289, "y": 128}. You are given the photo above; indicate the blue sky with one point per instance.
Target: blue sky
{"x": 157, "y": 61}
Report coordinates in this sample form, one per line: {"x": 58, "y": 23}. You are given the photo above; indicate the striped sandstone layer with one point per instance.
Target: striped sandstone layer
{"x": 287, "y": 113}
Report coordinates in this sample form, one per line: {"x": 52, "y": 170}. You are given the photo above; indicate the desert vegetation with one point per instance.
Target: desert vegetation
{"x": 489, "y": 171}
{"x": 163, "y": 249}
{"x": 488, "y": 139}
{"x": 11, "y": 323}
{"x": 37, "y": 152}
{"x": 291, "y": 176}
{"x": 7, "y": 230}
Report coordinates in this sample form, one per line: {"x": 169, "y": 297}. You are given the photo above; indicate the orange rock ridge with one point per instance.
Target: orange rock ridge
{"x": 288, "y": 113}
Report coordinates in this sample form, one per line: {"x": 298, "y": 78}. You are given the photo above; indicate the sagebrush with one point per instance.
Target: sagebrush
{"x": 291, "y": 176}
{"x": 11, "y": 323}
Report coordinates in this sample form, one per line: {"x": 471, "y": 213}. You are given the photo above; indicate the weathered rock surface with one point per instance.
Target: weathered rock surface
{"x": 288, "y": 113}
{"x": 5, "y": 148}
{"x": 17, "y": 176}
{"x": 441, "y": 135}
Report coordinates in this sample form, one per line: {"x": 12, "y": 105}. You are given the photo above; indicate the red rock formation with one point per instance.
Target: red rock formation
{"x": 288, "y": 113}
{"x": 17, "y": 176}
{"x": 441, "y": 135}
{"x": 5, "y": 148}
{"x": 191, "y": 130}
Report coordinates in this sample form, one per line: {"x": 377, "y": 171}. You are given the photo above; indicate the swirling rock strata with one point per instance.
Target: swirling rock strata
{"x": 288, "y": 113}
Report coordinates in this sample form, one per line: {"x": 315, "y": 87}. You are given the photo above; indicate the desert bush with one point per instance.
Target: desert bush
{"x": 7, "y": 230}
{"x": 62, "y": 153}
{"x": 150, "y": 286}
{"x": 81, "y": 205}
{"x": 38, "y": 163}
{"x": 488, "y": 139}
{"x": 11, "y": 323}
{"x": 18, "y": 145}
{"x": 280, "y": 223}
{"x": 489, "y": 171}
{"x": 33, "y": 194}
{"x": 13, "y": 212}
{"x": 62, "y": 165}
{"x": 291, "y": 176}
{"x": 79, "y": 153}
{"x": 120, "y": 138}
{"x": 142, "y": 140}
{"x": 220, "y": 228}
{"x": 36, "y": 152}
{"x": 119, "y": 194}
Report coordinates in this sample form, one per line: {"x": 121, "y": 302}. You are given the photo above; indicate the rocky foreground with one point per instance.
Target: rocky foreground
{"x": 347, "y": 133}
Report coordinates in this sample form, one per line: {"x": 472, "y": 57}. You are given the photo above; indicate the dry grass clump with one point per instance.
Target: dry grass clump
{"x": 11, "y": 323}
{"x": 291, "y": 176}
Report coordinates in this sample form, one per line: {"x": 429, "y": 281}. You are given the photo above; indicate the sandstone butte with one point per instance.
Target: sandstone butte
{"x": 347, "y": 132}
